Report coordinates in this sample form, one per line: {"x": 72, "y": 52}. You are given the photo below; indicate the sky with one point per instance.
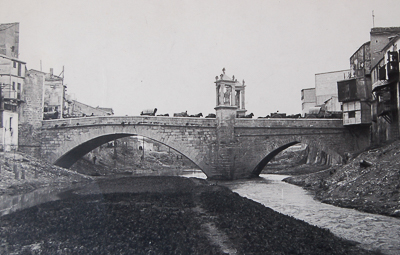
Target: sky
{"x": 132, "y": 55}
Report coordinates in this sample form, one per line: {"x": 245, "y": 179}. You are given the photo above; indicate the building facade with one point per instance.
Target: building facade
{"x": 308, "y": 100}
{"x": 31, "y": 113}
{"x": 9, "y": 40}
{"x": 75, "y": 109}
{"x": 12, "y": 77}
{"x": 54, "y": 93}
{"x": 355, "y": 92}
{"x": 326, "y": 91}
{"x": 385, "y": 88}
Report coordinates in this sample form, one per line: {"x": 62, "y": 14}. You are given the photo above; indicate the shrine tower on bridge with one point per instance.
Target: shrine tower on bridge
{"x": 230, "y": 93}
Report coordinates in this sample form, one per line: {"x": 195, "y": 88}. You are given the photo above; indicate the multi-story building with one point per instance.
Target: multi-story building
{"x": 385, "y": 88}
{"x": 326, "y": 89}
{"x": 12, "y": 76}
{"x": 324, "y": 96}
{"x": 355, "y": 92}
{"x": 308, "y": 100}
{"x": 370, "y": 95}
{"x": 54, "y": 93}
{"x": 9, "y": 40}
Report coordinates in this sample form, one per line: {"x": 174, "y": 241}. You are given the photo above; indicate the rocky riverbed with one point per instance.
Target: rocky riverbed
{"x": 161, "y": 215}
{"x": 369, "y": 182}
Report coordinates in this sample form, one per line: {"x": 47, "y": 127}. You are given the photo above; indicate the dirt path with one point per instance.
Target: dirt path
{"x": 214, "y": 235}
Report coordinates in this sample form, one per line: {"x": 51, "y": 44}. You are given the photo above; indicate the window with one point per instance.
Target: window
{"x": 19, "y": 86}
{"x": 10, "y": 123}
{"x": 13, "y": 86}
{"x": 19, "y": 69}
{"x": 14, "y": 64}
{"x": 352, "y": 114}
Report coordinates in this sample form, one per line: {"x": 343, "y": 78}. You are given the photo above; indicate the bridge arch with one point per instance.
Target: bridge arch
{"x": 64, "y": 144}
{"x": 260, "y": 166}
{"x": 268, "y": 153}
{"x": 73, "y": 155}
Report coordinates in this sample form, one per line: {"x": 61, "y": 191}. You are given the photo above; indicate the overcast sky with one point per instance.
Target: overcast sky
{"x": 131, "y": 55}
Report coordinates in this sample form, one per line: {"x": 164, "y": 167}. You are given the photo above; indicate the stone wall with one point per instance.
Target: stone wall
{"x": 31, "y": 114}
{"x": 64, "y": 141}
{"x": 204, "y": 141}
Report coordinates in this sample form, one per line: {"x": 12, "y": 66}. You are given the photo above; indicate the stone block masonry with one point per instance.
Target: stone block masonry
{"x": 224, "y": 148}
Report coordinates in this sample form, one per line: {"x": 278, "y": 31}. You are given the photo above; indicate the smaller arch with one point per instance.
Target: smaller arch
{"x": 260, "y": 166}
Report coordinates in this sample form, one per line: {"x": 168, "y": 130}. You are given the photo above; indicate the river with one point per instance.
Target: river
{"x": 370, "y": 230}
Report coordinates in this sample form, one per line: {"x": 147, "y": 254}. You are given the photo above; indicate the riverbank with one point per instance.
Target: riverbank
{"x": 161, "y": 215}
{"x": 21, "y": 173}
{"x": 369, "y": 182}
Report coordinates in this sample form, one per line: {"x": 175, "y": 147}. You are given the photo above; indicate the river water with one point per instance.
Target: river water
{"x": 370, "y": 230}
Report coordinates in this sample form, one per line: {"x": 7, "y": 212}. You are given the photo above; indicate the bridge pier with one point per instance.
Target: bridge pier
{"x": 225, "y": 144}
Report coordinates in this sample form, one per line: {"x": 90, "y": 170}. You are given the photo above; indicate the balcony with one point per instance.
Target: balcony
{"x": 10, "y": 94}
{"x": 347, "y": 90}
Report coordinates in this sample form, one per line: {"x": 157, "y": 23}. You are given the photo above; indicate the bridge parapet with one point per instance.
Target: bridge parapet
{"x": 129, "y": 120}
{"x": 275, "y": 122}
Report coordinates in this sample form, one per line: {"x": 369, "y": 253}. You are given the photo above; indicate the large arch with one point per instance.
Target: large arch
{"x": 73, "y": 155}
{"x": 63, "y": 146}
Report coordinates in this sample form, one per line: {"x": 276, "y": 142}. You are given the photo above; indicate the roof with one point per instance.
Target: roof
{"x": 360, "y": 47}
{"x": 225, "y": 77}
{"x": 36, "y": 71}
{"x": 339, "y": 71}
{"x": 385, "y": 29}
{"x": 7, "y": 25}
{"x": 11, "y": 58}
{"x": 392, "y": 40}
{"x": 106, "y": 109}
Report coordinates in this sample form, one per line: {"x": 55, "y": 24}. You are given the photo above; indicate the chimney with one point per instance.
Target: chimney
{"x": 51, "y": 71}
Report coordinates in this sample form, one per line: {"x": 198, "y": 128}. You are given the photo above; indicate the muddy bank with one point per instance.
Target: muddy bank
{"x": 161, "y": 215}
{"x": 21, "y": 173}
{"x": 370, "y": 182}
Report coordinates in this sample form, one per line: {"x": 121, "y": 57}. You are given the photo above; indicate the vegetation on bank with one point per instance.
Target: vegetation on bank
{"x": 180, "y": 216}
{"x": 369, "y": 182}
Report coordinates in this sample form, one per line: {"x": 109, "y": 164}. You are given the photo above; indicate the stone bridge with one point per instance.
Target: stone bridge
{"x": 224, "y": 148}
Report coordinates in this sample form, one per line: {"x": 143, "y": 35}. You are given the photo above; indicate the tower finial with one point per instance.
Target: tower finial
{"x": 373, "y": 19}
{"x": 223, "y": 70}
